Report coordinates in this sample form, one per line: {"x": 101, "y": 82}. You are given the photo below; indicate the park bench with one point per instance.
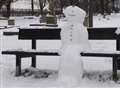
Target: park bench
{"x": 54, "y": 34}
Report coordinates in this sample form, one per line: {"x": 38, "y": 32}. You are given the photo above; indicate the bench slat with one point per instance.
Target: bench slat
{"x": 10, "y": 33}
{"x": 100, "y": 54}
{"x": 30, "y": 53}
{"x": 102, "y": 33}
{"x": 41, "y": 34}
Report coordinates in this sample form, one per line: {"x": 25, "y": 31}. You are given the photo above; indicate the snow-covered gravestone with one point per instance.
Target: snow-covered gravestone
{"x": 74, "y": 37}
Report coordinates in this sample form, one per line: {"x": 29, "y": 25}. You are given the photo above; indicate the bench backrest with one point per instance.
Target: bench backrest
{"x": 40, "y": 33}
{"x": 102, "y": 33}
{"x": 54, "y": 34}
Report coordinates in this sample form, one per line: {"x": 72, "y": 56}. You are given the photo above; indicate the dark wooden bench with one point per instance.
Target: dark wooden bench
{"x": 32, "y": 34}
{"x": 54, "y": 34}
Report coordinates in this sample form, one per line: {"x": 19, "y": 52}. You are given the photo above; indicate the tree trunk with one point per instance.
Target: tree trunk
{"x": 42, "y": 4}
{"x": 8, "y": 10}
{"x": 32, "y": 6}
{"x": 102, "y": 6}
{"x": 41, "y": 11}
{"x": 86, "y": 5}
{"x": 90, "y": 13}
{"x": 113, "y": 5}
{"x": 0, "y": 6}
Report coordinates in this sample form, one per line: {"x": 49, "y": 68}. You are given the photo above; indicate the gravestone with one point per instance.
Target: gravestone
{"x": 51, "y": 19}
{"x": 43, "y": 19}
{"x": 11, "y": 22}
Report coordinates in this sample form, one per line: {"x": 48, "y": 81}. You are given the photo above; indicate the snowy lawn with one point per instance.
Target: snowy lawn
{"x": 97, "y": 72}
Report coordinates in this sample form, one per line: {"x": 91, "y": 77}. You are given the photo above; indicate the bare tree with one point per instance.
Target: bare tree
{"x": 42, "y": 4}
{"x": 64, "y": 3}
{"x": 90, "y": 13}
{"x": 3, "y": 2}
{"x": 54, "y": 5}
{"x": 32, "y": 6}
{"x": 7, "y": 3}
{"x": 51, "y": 6}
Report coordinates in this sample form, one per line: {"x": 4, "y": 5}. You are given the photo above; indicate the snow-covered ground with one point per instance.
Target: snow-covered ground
{"x": 26, "y": 4}
{"x": 109, "y": 21}
{"x": 97, "y": 72}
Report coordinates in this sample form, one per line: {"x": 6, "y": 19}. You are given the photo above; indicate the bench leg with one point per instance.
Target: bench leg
{"x": 115, "y": 69}
{"x": 33, "y": 64}
{"x": 18, "y": 65}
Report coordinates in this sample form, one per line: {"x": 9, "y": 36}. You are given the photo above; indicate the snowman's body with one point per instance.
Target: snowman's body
{"x": 74, "y": 37}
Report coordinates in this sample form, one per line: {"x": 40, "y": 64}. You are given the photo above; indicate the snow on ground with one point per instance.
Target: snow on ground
{"x": 97, "y": 74}
{"x": 26, "y": 4}
{"x": 20, "y": 4}
{"x": 109, "y": 21}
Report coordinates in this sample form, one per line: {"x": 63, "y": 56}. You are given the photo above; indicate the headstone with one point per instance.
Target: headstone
{"x": 51, "y": 19}
{"x": 43, "y": 19}
{"x": 11, "y": 22}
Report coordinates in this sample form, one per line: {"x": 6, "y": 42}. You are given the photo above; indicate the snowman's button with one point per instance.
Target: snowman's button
{"x": 71, "y": 34}
{"x": 71, "y": 25}
{"x": 71, "y": 28}
{"x": 72, "y": 10}
{"x": 70, "y": 39}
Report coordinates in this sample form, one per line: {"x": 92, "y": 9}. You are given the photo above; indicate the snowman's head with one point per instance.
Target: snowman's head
{"x": 74, "y": 14}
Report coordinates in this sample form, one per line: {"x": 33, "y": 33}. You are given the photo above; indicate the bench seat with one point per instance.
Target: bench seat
{"x": 32, "y": 52}
{"x": 54, "y": 52}
{"x": 19, "y": 53}
{"x": 101, "y": 53}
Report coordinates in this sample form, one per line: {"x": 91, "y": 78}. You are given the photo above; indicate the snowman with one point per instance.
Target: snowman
{"x": 74, "y": 37}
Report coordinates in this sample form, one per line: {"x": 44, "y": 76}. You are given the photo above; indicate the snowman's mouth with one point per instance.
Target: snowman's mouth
{"x": 71, "y": 14}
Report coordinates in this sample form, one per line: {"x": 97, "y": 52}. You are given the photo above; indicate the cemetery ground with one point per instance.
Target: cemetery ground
{"x": 97, "y": 72}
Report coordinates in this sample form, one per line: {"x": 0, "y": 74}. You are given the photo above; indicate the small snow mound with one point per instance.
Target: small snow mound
{"x": 117, "y": 31}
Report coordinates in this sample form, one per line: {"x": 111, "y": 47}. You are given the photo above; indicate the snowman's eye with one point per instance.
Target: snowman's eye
{"x": 72, "y": 11}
